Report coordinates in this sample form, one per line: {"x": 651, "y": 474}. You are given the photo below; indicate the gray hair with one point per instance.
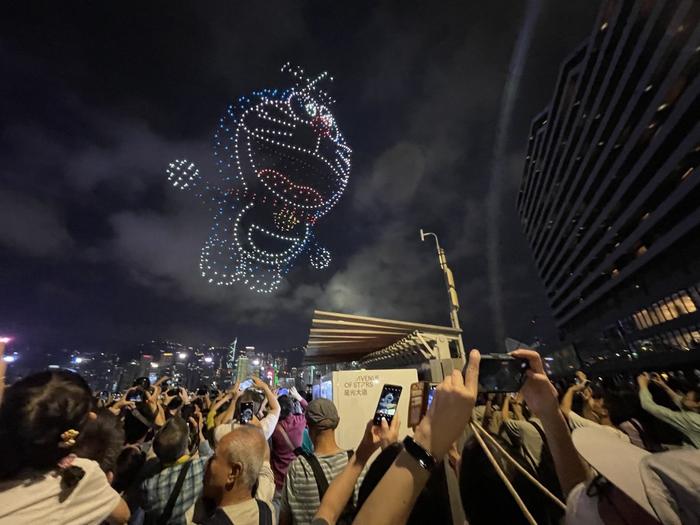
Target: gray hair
{"x": 247, "y": 446}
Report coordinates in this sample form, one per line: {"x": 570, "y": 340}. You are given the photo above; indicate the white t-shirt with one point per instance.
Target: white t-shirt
{"x": 40, "y": 501}
{"x": 267, "y": 424}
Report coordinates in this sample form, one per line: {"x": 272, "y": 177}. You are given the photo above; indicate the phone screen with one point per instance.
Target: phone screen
{"x": 501, "y": 373}
{"x": 246, "y": 412}
{"x": 431, "y": 394}
{"x": 135, "y": 395}
{"x": 388, "y": 402}
{"x": 283, "y": 392}
{"x": 245, "y": 385}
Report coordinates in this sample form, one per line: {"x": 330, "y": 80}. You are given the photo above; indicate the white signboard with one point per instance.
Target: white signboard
{"x": 356, "y": 393}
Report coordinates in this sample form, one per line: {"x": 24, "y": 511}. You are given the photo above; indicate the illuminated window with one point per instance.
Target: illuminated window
{"x": 657, "y": 313}
{"x": 690, "y": 305}
{"x": 647, "y": 318}
{"x": 638, "y": 321}
{"x": 668, "y": 310}
{"x": 695, "y": 336}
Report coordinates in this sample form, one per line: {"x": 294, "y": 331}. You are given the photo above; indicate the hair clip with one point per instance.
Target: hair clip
{"x": 68, "y": 438}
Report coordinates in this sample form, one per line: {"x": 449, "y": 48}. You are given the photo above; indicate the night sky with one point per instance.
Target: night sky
{"x": 98, "y": 252}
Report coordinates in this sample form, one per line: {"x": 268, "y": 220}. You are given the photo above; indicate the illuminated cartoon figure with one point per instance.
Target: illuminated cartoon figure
{"x": 284, "y": 164}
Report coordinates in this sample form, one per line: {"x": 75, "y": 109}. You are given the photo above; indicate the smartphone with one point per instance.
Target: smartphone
{"x": 283, "y": 392}
{"x": 245, "y": 385}
{"x": 388, "y": 402}
{"x": 501, "y": 373}
{"x": 135, "y": 395}
{"x": 173, "y": 392}
{"x": 422, "y": 394}
{"x": 246, "y": 412}
{"x": 431, "y": 394}
{"x": 202, "y": 391}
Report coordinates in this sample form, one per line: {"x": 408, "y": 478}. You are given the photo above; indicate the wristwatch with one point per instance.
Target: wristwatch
{"x": 424, "y": 458}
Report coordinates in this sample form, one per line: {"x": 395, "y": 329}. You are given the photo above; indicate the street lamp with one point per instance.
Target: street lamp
{"x": 449, "y": 279}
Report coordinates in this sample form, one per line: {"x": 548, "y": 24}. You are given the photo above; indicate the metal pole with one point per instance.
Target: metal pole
{"x": 450, "y": 285}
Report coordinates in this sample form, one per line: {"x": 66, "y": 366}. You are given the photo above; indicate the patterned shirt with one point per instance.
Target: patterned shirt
{"x": 300, "y": 499}
{"x": 157, "y": 489}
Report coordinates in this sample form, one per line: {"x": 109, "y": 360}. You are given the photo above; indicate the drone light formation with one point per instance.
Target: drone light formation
{"x": 283, "y": 164}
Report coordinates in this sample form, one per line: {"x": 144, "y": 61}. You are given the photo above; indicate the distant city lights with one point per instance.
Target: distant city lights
{"x": 154, "y": 365}
{"x": 182, "y": 355}
{"x": 78, "y": 360}
{"x": 256, "y": 362}
{"x": 208, "y": 359}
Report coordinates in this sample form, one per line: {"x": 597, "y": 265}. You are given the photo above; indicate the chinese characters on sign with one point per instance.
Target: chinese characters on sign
{"x": 360, "y": 386}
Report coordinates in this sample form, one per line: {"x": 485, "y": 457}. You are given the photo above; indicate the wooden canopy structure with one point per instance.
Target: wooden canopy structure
{"x": 336, "y": 337}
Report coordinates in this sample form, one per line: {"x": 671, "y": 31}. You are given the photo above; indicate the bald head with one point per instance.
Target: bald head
{"x": 244, "y": 445}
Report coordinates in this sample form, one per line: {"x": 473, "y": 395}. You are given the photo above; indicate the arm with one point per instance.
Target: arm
{"x": 675, "y": 396}
{"x": 340, "y": 490}
{"x": 393, "y": 498}
{"x": 233, "y": 395}
{"x": 269, "y": 395}
{"x": 505, "y": 409}
{"x": 541, "y": 397}
{"x": 120, "y": 514}
{"x": 673, "y": 418}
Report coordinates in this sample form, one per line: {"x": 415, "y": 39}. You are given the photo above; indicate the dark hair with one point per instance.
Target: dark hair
{"x": 138, "y": 422}
{"x": 480, "y": 486}
{"x": 246, "y": 397}
{"x": 34, "y": 413}
{"x": 171, "y": 441}
{"x": 101, "y": 440}
{"x": 129, "y": 463}
{"x": 286, "y": 406}
{"x": 175, "y": 403}
{"x": 432, "y": 505}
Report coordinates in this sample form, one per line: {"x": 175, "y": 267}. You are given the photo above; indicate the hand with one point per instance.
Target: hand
{"x": 451, "y": 409}
{"x": 657, "y": 379}
{"x": 259, "y": 383}
{"x": 160, "y": 380}
{"x": 539, "y": 393}
{"x": 293, "y": 392}
{"x": 643, "y": 380}
{"x": 582, "y": 378}
{"x": 386, "y": 433}
{"x": 235, "y": 390}
{"x": 376, "y": 436}
{"x": 183, "y": 395}
{"x": 116, "y": 408}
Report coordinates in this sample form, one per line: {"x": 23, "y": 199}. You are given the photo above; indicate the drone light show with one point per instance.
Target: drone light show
{"x": 283, "y": 164}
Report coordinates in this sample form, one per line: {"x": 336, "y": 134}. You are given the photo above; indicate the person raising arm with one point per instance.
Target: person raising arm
{"x": 340, "y": 490}
{"x": 391, "y": 501}
{"x": 541, "y": 398}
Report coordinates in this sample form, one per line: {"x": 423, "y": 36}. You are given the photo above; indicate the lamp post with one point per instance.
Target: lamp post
{"x": 449, "y": 279}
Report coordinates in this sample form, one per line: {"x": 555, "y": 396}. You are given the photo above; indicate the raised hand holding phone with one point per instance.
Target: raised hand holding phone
{"x": 450, "y": 410}
{"x": 388, "y": 403}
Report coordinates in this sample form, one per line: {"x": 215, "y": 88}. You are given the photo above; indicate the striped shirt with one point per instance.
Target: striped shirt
{"x": 300, "y": 499}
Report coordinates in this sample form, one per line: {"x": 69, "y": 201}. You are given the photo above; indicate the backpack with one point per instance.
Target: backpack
{"x": 221, "y": 518}
{"x": 348, "y": 515}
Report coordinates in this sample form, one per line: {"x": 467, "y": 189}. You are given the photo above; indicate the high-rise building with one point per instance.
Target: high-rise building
{"x": 610, "y": 194}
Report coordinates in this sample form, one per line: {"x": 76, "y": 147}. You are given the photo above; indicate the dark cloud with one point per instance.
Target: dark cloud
{"x": 101, "y": 99}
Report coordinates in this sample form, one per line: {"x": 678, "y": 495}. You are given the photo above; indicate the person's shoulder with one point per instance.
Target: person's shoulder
{"x": 88, "y": 465}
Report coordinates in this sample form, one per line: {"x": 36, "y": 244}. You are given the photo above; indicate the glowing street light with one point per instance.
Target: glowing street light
{"x": 78, "y": 360}
{"x": 256, "y": 362}
{"x": 208, "y": 359}
{"x": 182, "y": 355}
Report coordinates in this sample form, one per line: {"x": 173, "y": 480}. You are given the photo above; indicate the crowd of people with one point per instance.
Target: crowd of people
{"x": 583, "y": 451}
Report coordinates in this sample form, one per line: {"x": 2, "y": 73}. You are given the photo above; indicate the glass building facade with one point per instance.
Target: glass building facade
{"x": 610, "y": 194}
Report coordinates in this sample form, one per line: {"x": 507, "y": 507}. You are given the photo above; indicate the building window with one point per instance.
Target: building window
{"x": 688, "y": 303}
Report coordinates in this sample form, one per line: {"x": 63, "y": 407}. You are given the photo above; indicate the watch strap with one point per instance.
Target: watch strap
{"x": 424, "y": 458}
